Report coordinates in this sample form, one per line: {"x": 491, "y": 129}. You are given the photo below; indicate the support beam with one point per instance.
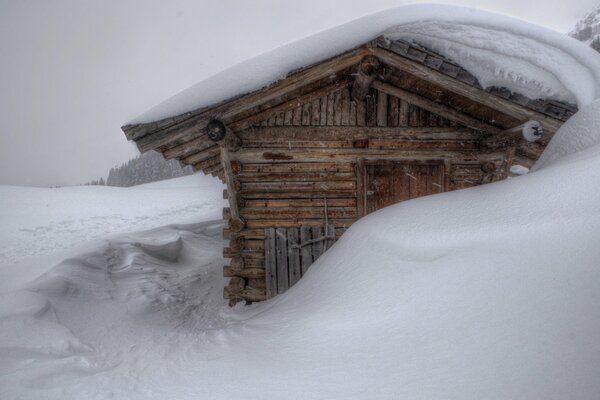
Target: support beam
{"x": 365, "y": 75}
{"x": 436, "y": 108}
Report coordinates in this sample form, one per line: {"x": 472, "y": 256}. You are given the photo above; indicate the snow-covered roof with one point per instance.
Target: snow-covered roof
{"x": 497, "y": 50}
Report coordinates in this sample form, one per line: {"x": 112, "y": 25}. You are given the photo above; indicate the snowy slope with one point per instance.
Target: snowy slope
{"x": 498, "y": 50}
{"x": 40, "y": 221}
{"x": 588, "y": 28}
{"x": 484, "y": 293}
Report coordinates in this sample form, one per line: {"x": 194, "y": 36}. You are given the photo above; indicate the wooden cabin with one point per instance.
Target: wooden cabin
{"x": 308, "y": 155}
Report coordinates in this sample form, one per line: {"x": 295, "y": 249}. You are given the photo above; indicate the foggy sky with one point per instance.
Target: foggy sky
{"x": 73, "y": 71}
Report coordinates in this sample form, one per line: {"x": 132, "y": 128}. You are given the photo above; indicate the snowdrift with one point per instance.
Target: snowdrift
{"x": 498, "y": 50}
{"x": 41, "y": 221}
{"x": 490, "y": 292}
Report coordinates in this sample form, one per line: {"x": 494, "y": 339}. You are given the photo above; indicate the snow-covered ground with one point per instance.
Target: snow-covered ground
{"x": 40, "y": 221}
{"x": 490, "y": 292}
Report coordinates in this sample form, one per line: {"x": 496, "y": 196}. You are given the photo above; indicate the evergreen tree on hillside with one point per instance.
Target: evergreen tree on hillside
{"x": 146, "y": 168}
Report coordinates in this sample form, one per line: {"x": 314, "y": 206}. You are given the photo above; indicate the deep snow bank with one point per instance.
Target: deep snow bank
{"x": 41, "y": 221}
{"x": 498, "y": 50}
{"x": 490, "y": 292}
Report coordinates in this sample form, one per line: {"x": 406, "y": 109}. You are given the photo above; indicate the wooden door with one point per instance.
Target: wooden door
{"x": 388, "y": 182}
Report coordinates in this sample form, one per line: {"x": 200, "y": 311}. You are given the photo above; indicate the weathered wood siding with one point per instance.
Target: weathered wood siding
{"x": 305, "y": 168}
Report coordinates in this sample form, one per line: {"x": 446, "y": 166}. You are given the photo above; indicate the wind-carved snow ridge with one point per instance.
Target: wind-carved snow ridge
{"x": 498, "y": 50}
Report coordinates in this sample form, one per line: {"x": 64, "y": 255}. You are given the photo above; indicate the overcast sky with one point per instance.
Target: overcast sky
{"x": 73, "y": 71}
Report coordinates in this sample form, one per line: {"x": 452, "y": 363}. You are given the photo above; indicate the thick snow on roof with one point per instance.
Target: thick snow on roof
{"x": 498, "y": 50}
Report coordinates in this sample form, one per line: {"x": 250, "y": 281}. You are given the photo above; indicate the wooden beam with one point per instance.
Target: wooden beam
{"x": 501, "y": 104}
{"x": 352, "y": 133}
{"x": 437, "y": 108}
{"x": 364, "y": 76}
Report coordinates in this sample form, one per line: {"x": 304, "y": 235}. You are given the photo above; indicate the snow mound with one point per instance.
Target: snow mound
{"x": 498, "y": 50}
{"x": 580, "y": 132}
{"x": 97, "y": 322}
{"x": 41, "y": 221}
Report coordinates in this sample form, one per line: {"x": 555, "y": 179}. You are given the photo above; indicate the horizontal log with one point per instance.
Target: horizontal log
{"x": 257, "y": 283}
{"x": 279, "y": 186}
{"x": 187, "y": 148}
{"x": 296, "y": 177}
{"x": 350, "y": 155}
{"x": 206, "y": 154}
{"x": 284, "y": 134}
{"x": 267, "y": 203}
{"x": 329, "y": 194}
{"x": 248, "y": 294}
{"x": 271, "y": 223}
{"x": 297, "y": 167}
{"x": 297, "y": 213}
{"x": 229, "y": 272}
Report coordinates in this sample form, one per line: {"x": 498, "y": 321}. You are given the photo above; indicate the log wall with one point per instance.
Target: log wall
{"x": 302, "y": 167}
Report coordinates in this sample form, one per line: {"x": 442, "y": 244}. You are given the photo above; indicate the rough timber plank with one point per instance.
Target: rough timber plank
{"x": 318, "y": 246}
{"x": 282, "y": 260}
{"x": 307, "y": 258}
{"x": 270, "y": 262}
{"x": 293, "y": 256}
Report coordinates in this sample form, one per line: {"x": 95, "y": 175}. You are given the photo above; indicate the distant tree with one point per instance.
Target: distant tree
{"x": 148, "y": 167}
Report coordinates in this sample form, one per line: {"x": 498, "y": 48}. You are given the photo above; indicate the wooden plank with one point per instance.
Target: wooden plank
{"x": 316, "y": 112}
{"x": 403, "y": 113}
{"x": 330, "y": 108}
{"x": 287, "y": 223}
{"x": 345, "y": 119}
{"x": 287, "y": 168}
{"x": 282, "y": 260}
{"x": 306, "y": 250}
{"x": 393, "y": 108}
{"x": 295, "y": 271}
{"x": 297, "y": 118}
{"x": 323, "y": 111}
{"x": 329, "y": 231}
{"x": 270, "y": 262}
{"x": 350, "y": 155}
{"x": 371, "y": 108}
{"x": 296, "y": 213}
{"x": 360, "y": 113}
{"x": 318, "y": 202}
{"x": 353, "y": 120}
{"x": 296, "y": 176}
{"x": 285, "y": 134}
{"x": 382, "y": 106}
{"x": 186, "y": 148}
{"x": 337, "y": 108}
{"x": 253, "y": 187}
{"x": 306, "y": 114}
{"x": 318, "y": 245}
